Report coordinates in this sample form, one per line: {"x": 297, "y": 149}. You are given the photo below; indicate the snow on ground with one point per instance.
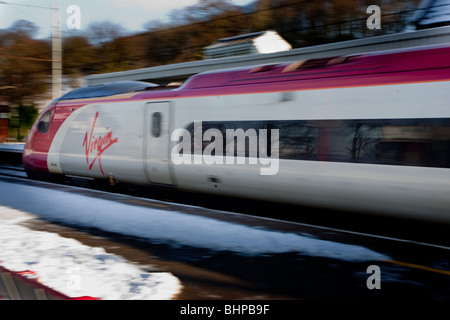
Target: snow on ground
{"x": 110, "y": 276}
{"x": 75, "y": 269}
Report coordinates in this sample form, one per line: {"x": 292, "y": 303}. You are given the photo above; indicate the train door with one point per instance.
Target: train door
{"x": 157, "y": 142}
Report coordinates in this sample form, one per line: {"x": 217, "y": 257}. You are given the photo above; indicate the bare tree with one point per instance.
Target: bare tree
{"x": 105, "y": 31}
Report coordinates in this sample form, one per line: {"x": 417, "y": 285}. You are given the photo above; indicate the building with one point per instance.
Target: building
{"x": 4, "y": 121}
{"x": 251, "y": 43}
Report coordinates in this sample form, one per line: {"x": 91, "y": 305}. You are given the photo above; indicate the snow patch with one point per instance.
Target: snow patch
{"x": 75, "y": 269}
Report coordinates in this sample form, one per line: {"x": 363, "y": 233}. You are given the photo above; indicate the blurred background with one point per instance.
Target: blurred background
{"x": 109, "y": 36}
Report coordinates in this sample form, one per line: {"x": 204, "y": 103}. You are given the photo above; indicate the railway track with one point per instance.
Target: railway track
{"x": 410, "y": 230}
{"x": 13, "y": 171}
{"x": 207, "y": 274}
{"x": 212, "y": 275}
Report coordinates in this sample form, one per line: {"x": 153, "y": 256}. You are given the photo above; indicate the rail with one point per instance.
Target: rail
{"x": 11, "y": 153}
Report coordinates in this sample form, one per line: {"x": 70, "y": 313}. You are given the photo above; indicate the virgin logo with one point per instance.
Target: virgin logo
{"x": 95, "y": 146}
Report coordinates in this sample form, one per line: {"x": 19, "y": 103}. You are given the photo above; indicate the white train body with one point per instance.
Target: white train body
{"x": 354, "y": 140}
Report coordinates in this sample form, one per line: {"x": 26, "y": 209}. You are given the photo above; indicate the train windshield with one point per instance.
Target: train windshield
{"x": 108, "y": 89}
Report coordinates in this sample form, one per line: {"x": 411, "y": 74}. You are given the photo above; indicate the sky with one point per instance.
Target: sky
{"x": 131, "y": 14}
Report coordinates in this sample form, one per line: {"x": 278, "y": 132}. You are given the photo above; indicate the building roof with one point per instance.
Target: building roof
{"x": 250, "y": 43}
{"x": 230, "y": 41}
{"x": 182, "y": 71}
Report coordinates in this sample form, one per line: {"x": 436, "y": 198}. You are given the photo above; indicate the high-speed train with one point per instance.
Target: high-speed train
{"x": 365, "y": 132}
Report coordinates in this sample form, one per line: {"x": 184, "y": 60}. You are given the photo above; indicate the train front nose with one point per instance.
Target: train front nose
{"x": 34, "y": 157}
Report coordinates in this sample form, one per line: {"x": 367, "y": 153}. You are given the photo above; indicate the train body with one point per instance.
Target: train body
{"x": 366, "y": 132}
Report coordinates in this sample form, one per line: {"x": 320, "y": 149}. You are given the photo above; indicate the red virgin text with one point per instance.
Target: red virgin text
{"x": 96, "y": 145}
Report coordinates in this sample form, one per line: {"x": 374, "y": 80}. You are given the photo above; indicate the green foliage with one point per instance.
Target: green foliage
{"x": 22, "y": 119}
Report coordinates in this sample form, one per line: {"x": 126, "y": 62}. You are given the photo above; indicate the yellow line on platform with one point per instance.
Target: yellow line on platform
{"x": 418, "y": 266}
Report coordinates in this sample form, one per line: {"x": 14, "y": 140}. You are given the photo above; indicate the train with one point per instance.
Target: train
{"x": 367, "y": 132}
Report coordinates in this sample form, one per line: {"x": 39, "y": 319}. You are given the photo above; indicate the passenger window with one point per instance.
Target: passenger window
{"x": 156, "y": 124}
{"x": 297, "y": 140}
{"x": 44, "y": 123}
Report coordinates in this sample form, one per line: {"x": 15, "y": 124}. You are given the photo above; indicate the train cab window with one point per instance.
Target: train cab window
{"x": 156, "y": 124}
{"x": 44, "y": 123}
